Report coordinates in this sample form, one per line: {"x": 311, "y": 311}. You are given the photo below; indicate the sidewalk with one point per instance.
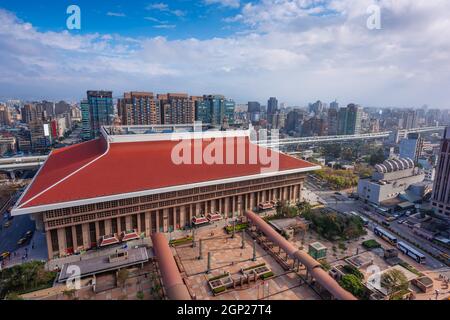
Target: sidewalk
{"x": 38, "y": 253}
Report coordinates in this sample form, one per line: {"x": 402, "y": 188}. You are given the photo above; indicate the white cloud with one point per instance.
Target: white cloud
{"x": 225, "y": 3}
{"x": 288, "y": 50}
{"x": 164, "y": 7}
{"x": 155, "y": 20}
{"x": 115, "y": 14}
{"x": 165, "y": 26}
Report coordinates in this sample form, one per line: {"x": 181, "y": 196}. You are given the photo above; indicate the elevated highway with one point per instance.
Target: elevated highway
{"x": 337, "y": 138}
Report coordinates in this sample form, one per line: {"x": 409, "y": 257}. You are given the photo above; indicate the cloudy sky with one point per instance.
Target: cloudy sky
{"x": 296, "y": 50}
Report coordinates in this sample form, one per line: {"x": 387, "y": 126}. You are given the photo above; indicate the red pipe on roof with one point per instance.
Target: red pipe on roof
{"x": 172, "y": 281}
{"x": 311, "y": 264}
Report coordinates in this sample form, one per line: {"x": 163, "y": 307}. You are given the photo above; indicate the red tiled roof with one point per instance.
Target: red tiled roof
{"x": 89, "y": 170}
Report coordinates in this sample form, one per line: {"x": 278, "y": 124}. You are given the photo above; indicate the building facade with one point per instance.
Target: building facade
{"x": 214, "y": 109}
{"x": 389, "y": 180}
{"x": 349, "y": 120}
{"x": 411, "y": 147}
{"x": 139, "y": 108}
{"x": 86, "y": 203}
{"x": 272, "y": 109}
{"x": 5, "y": 116}
{"x": 440, "y": 199}
{"x": 176, "y": 108}
{"x": 254, "y": 111}
{"x": 97, "y": 111}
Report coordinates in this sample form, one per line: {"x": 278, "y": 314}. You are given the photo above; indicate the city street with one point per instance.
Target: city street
{"x": 341, "y": 203}
{"x": 33, "y": 249}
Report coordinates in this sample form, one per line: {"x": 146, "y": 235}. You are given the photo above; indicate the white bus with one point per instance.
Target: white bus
{"x": 385, "y": 235}
{"x": 409, "y": 251}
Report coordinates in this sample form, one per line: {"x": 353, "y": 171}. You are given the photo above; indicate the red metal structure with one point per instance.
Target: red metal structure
{"x": 172, "y": 281}
{"x": 312, "y": 265}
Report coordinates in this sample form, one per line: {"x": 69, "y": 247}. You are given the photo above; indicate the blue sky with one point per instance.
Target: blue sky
{"x": 176, "y": 19}
{"x": 297, "y": 50}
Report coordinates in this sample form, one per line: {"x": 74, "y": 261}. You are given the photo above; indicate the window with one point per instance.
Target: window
{"x": 69, "y": 239}
{"x": 54, "y": 237}
{"x": 134, "y": 222}
{"x": 92, "y": 233}
{"x": 123, "y": 224}
{"x": 114, "y": 225}
{"x": 143, "y": 224}
{"x": 101, "y": 227}
{"x": 79, "y": 231}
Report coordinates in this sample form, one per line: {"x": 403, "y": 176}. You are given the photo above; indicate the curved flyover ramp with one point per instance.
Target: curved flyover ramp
{"x": 172, "y": 281}
{"x": 312, "y": 265}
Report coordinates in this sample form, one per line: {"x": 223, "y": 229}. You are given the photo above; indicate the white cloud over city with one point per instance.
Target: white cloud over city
{"x": 299, "y": 51}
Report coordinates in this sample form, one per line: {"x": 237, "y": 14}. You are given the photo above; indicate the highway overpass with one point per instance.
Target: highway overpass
{"x": 337, "y": 138}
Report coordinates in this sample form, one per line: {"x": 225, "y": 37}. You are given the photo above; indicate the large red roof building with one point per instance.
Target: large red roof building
{"x": 120, "y": 185}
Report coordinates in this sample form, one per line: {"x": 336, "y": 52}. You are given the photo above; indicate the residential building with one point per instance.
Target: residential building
{"x": 40, "y": 136}
{"x": 7, "y": 144}
{"x": 5, "y": 116}
{"x": 29, "y": 113}
{"x": 139, "y": 108}
{"x": 333, "y": 121}
{"x": 176, "y": 108}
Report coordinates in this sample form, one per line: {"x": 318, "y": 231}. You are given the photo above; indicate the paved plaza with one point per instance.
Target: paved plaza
{"x": 227, "y": 255}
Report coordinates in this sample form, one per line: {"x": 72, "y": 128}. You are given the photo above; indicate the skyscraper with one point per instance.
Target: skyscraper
{"x": 176, "y": 108}
{"x": 293, "y": 121}
{"x": 410, "y": 119}
{"x": 316, "y": 107}
{"x": 254, "y": 111}
{"x": 332, "y": 121}
{"x": 272, "y": 108}
{"x": 5, "y": 116}
{"x": 214, "y": 109}
{"x": 349, "y": 120}
{"x": 139, "y": 108}
{"x": 29, "y": 113}
{"x": 85, "y": 120}
{"x": 97, "y": 111}
{"x": 441, "y": 190}
{"x": 411, "y": 147}
{"x": 334, "y": 105}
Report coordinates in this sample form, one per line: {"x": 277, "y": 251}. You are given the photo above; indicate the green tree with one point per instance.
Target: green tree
{"x": 140, "y": 295}
{"x": 377, "y": 157}
{"x": 122, "y": 276}
{"x": 394, "y": 280}
{"x": 352, "y": 284}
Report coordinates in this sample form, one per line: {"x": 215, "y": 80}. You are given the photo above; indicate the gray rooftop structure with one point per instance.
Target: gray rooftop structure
{"x": 103, "y": 264}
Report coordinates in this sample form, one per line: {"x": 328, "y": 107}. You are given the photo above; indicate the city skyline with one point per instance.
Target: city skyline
{"x": 226, "y": 151}
{"x": 298, "y": 53}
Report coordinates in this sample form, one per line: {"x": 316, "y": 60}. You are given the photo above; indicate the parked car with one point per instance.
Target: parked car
{"x": 22, "y": 241}
{"x": 4, "y": 255}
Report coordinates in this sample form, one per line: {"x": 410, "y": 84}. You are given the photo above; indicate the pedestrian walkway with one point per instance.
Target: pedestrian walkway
{"x": 36, "y": 249}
